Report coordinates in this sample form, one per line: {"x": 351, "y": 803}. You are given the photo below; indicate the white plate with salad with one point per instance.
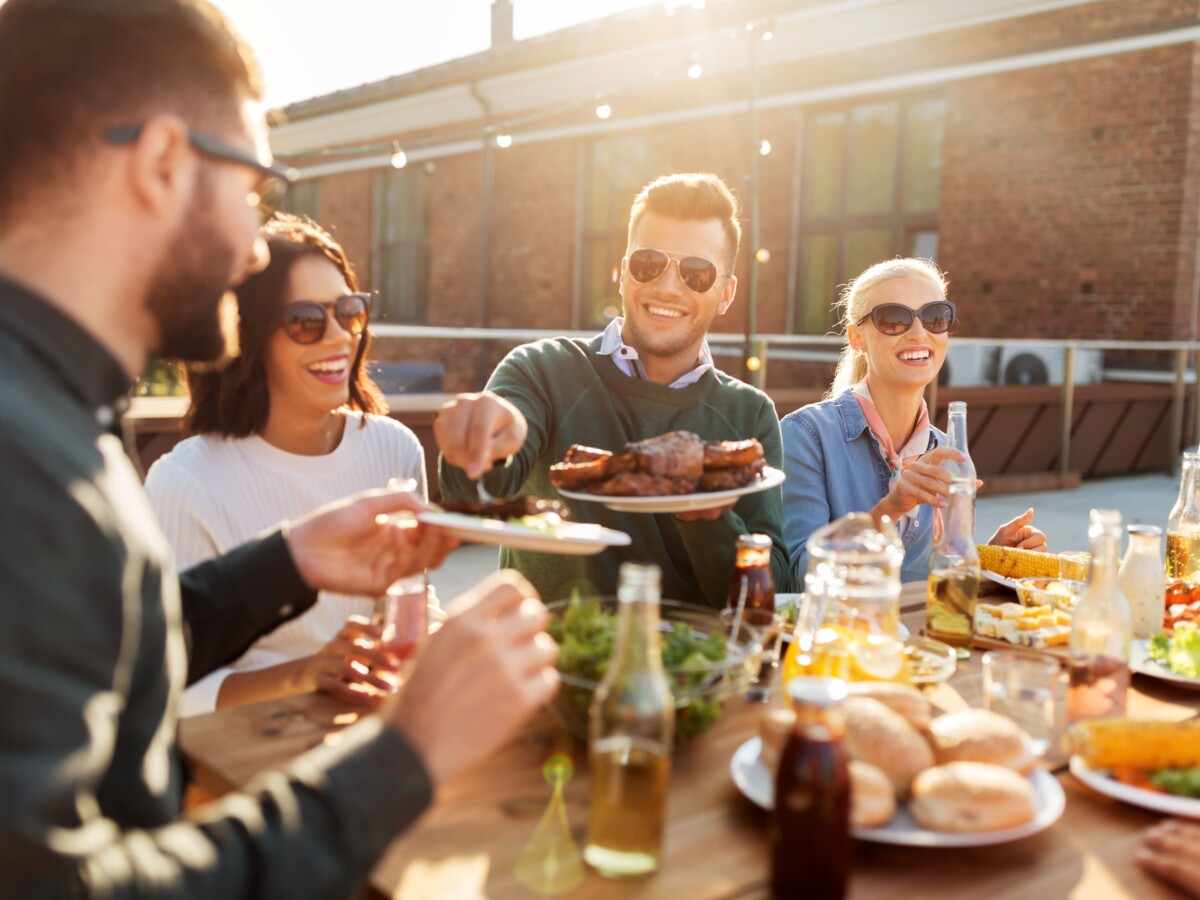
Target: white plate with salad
{"x": 1174, "y": 658}
{"x": 538, "y": 533}
{"x": 1102, "y": 781}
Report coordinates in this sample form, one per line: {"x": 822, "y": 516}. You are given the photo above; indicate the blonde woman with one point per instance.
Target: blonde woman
{"x": 869, "y": 446}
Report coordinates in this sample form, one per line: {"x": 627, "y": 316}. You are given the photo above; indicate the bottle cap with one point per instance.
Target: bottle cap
{"x": 816, "y": 691}
{"x": 758, "y": 541}
{"x": 1150, "y": 530}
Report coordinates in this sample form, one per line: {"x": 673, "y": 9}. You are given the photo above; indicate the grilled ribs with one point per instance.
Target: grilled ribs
{"x": 675, "y": 463}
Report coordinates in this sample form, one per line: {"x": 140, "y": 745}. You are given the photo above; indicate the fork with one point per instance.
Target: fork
{"x": 482, "y": 492}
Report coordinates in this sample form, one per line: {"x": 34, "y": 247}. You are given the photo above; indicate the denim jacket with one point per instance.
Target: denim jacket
{"x": 834, "y": 467}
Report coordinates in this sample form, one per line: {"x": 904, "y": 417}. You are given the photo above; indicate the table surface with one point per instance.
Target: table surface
{"x": 716, "y": 845}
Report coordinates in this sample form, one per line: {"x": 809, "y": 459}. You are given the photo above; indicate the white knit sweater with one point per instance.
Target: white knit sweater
{"x": 213, "y": 494}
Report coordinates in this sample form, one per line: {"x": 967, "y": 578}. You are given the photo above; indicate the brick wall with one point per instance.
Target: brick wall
{"x": 1062, "y": 198}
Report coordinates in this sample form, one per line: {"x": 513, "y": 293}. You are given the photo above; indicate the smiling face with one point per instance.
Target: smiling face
{"x": 310, "y": 380}
{"x": 908, "y": 361}
{"x": 665, "y": 321}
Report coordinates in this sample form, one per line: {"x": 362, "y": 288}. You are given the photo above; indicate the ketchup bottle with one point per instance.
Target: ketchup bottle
{"x": 811, "y": 846}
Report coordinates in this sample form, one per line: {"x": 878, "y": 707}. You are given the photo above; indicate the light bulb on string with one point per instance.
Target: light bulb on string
{"x": 603, "y": 111}
{"x": 695, "y": 70}
{"x": 753, "y": 363}
{"x": 504, "y": 141}
{"x": 399, "y": 158}
{"x": 764, "y": 148}
{"x": 763, "y": 255}
{"x": 768, "y": 34}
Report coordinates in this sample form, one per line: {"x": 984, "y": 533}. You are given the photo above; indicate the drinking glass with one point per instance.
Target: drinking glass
{"x": 402, "y": 615}
{"x": 1027, "y": 690}
{"x": 768, "y": 629}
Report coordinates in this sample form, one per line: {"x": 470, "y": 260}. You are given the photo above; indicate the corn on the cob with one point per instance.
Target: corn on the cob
{"x": 1149, "y": 745}
{"x": 1013, "y": 562}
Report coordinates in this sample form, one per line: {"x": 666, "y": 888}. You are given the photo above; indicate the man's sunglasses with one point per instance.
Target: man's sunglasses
{"x": 306, "y": 321}
{"x": 268, "y": 194}
{"x": 892, "y": 319}
{"x": 647, "y": 265}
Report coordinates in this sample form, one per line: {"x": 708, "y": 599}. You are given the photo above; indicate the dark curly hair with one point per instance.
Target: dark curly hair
{"x": 234, "y": 402}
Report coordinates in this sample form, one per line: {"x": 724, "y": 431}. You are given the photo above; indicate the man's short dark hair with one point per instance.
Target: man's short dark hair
{"x": 71, "y": 68}
{"x": 234, "y": 402}
{"x": 690, "y": 196}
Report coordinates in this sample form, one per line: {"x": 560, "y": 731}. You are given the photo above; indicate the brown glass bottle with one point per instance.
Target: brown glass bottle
{"x": 752, "y": 574}
{"x": 811, "y": 846}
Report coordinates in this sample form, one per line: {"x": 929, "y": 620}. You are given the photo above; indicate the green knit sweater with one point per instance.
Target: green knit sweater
{"x": 571, "y": 395}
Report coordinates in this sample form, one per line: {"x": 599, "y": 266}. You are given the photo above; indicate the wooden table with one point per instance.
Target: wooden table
{"x": 716, "y": 845}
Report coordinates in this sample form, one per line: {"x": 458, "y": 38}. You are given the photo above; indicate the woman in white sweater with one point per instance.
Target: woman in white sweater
{"x": 292, "y": 423}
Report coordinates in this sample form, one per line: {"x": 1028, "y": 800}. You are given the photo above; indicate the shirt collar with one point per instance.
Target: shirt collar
{"x": 627, "y": 360}
{"x": 84, "y": 367}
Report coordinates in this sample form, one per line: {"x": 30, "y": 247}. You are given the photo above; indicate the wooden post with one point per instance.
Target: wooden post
{"x": 1068, "y": 410}
{"x": 931, "y": 401}
{"x": 758, "y": 377}
{"x": 1177, "y": 399}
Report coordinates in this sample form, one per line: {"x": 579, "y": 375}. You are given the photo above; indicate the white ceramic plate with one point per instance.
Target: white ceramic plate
{"x": 1140, "y": 662}
{"x": 999, "y": 579}
{"x": 677, "y": 503}
{"x": 569, "y": 539}
{"x": 1099, "y": 780}
{"x": 755, "y": 782}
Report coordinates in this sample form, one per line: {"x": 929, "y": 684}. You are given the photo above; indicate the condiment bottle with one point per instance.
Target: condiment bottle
{"x": 1142, "y": 581}
{"x": 631, "y": 726}
{"x": 1183, "y": 526}
{"x": 811, "y": 846}
{"x": 953, "y": 588}
{"x": 1099, "y": 644}
{"x": 751, "y": 586}
{"x": 752, "y": 595}
{"x": 956, "y": 434}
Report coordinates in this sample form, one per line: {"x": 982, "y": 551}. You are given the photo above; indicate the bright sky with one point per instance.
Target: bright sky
{"x": 314, "y": 47}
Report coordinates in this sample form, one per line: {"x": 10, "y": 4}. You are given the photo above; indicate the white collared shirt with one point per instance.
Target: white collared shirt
{"x": 627, "y": 360}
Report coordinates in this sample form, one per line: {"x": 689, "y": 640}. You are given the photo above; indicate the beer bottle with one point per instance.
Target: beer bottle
{"x": 631, "y": 725}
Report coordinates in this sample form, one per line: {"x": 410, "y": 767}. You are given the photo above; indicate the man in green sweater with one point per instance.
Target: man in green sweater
{"x": 648, "y": 373}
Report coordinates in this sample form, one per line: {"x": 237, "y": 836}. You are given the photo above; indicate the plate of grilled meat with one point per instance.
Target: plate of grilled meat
{"x": 671, "y": 473}
{"x": 523, "y": 523}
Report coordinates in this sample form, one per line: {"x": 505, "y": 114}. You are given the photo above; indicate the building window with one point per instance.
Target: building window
{"x": 869, "y": 192}
{"x": 400, "y": 257}
{"x": 617, "y": 168}
{"x": 304, "y": 199}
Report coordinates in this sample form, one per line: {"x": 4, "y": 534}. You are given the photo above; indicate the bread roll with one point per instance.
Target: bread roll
{"x": 971, "y": 796}
{"x": 977, "y": 735}
{"x": 872, "y": 797}
{"x": 902, "y": 698}
{"x": 883, "y": 738}
{"x": 774, "y": 728}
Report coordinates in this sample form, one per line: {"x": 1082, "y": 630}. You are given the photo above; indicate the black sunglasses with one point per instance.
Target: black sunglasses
{"x": 306, "y": 321}
{"x": 892, "y": 319}
{"x": 647, "y": 265}
{"x": 268, "y": 193}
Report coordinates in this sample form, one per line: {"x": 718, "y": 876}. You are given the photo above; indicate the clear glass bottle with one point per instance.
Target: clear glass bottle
{"x": 956, "y": 432}
{"x": 1142, "y": 581}
{"x": 1099, "y": 644}
{"x": 1183, "y": 526}
{"x": 631, "y": 727}
{"x": 811, "y": 846}
{"x": 954, "y": 572}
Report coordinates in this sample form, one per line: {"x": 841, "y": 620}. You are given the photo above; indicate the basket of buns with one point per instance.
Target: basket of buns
{"x": 965, "y": 773}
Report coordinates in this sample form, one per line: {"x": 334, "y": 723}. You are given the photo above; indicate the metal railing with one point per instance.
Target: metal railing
{"x": 827, "y": 348}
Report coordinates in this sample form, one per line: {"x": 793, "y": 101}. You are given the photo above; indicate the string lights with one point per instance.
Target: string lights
{"x": 502, "y": 132}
